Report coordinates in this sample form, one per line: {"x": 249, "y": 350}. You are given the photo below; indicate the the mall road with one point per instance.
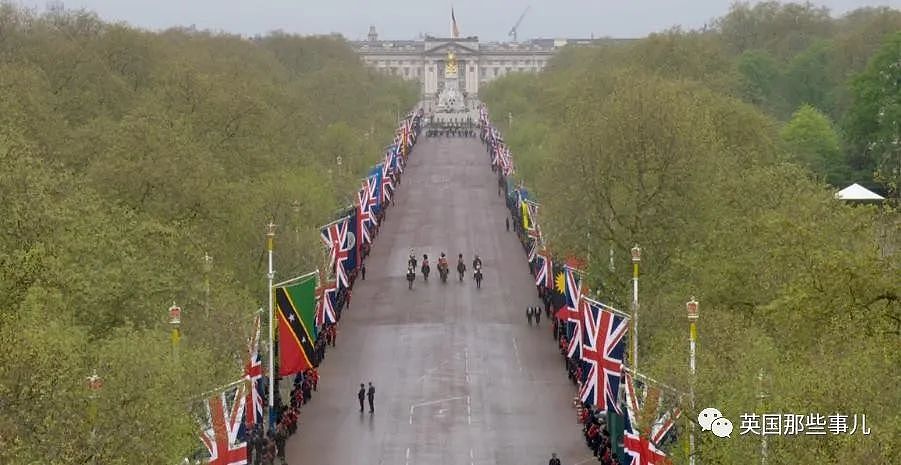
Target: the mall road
{"x": 460, "y": 376}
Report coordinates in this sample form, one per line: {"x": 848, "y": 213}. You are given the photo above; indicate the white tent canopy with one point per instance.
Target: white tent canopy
{"x": 857, "y": 192}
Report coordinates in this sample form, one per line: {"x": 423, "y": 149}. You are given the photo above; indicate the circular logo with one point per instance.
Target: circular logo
{"x": 351, "y": 240}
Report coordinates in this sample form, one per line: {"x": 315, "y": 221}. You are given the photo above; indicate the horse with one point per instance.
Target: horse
{"x": 411, "y": 275}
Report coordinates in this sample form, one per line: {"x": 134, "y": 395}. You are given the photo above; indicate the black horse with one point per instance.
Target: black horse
{"x": 411, "y": 275}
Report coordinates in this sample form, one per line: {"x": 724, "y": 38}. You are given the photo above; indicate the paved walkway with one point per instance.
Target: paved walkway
{"x": 460, "y": 376}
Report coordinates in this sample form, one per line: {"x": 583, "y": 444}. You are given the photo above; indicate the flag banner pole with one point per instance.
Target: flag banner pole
{"x": 607, "y": 307}
{"x": 206, "y": 395}
{"x": 283, "y": 283}
{"x": 571, "y": 268}
{"x": 652, "y": 380}
{"x": 338, "y": 220}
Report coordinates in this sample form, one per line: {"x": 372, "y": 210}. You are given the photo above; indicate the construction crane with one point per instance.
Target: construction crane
{"x": 512, "y": 32}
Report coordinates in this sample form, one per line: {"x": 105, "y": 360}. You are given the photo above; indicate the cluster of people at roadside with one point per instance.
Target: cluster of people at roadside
{"x": 596, "y": 436}
{"x": 594, "y": 423}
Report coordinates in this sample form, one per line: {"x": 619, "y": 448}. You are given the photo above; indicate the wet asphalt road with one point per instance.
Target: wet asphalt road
{"x": 460, "y": 376}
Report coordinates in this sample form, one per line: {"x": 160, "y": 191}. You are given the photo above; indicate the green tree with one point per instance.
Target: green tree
{"x": 809, "y": 79}
{"x": 760, "y": 74}
{"x": 811, "y": 139}
{"x": 873, "y": 124}
{"x": 125, "y": 156}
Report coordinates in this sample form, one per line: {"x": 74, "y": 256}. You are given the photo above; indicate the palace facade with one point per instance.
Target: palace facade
{"x": 478, "y": 63}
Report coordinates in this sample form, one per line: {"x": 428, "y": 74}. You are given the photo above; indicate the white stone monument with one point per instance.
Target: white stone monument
{"x": 451, "y": 100}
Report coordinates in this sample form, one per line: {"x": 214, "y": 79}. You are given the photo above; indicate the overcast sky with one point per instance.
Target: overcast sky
{"x": 405, "y": 19}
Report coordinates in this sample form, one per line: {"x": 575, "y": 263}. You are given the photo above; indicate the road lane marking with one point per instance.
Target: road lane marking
{"x": 407, "y": 460}
{"x": 468, "y": 410}
{"x": 466, "y": 360}
{"x": 471, "y": 457}
{"x": 431, "y": 402}
{"x": 516, "y": 352}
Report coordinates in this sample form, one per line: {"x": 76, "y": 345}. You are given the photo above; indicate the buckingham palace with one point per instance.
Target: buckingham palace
{"x": 425, "y": 60}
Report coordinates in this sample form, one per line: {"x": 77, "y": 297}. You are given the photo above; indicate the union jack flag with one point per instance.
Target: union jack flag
{"x": 645, "y": 450}
{"x": 545, "y": 274}
{"x": 222, "y": 436}
{"x": 572, "y": 312}
{"x": 387, "y": 183}
{"x": 253, "y": 373}
{"x": 408, "y": 134}
{"x": 325, "y": 310}
{"x": 373, "y": 201}
{"x": 397, "y": 160}
{"x": 603, "y": 347}
{"x": 533, "y": 250}
{"x": 335, "y": 238}
{"x": 364, "y": 215}
{"x": 636, "y": 397}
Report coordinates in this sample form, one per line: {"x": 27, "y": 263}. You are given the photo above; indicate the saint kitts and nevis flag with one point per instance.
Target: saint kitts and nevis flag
{"x": 296, "y": 304}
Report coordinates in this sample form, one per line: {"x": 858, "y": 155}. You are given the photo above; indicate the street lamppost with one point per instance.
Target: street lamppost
{"x": 175, "y": 321}
{"x": 95, "y": 384}
{"x": 296, "y": 207}
{"x": 636, "y": 259}
{"x": 761, "y": 397}
{"x": 207, "y": 268}
{"x": 692, "y": 307}
{"x": 270, "y": 245}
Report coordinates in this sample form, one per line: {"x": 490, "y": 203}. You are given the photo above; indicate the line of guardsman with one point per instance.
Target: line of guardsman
{"x": 453, "y": 128}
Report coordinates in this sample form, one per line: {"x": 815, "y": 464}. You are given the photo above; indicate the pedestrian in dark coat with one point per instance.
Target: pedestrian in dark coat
{"x": 554, "y": 460}
{"x": 281, "y": 435}
{"x": 371, "y": 396}
{"x": 537, "y": 312}
{"x": 529, "y": 315}
{"x": 361, "y": 395}
{"x": 363, "y": 271}
{"x": 507, "y": 222}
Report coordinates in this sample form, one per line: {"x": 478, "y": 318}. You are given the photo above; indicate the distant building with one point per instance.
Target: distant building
{"x": 424, "y": 60}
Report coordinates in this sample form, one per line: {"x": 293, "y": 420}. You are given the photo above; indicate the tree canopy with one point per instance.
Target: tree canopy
{"x": 125, "y": 157}
{"x": 702, "y": 166}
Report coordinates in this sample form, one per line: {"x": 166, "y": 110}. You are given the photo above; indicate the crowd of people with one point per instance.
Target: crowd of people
{"x": 452, "y": 128}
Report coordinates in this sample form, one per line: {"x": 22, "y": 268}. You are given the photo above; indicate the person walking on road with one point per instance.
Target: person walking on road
{"x": 371, "y": 396}
{"x": 529, "y": 315}
{"x": 554, "y": 460}
{"x": 507, "y": 222}
{"x": 361, "y": 395}
{"x": 363, "y": 271}
{"x": 537, "y": 312}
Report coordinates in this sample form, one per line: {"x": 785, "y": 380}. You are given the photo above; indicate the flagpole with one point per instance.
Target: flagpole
{"x": 692, "y": 307}
{"x": 270, "y": 239}
{"x": 636, "y": 258}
